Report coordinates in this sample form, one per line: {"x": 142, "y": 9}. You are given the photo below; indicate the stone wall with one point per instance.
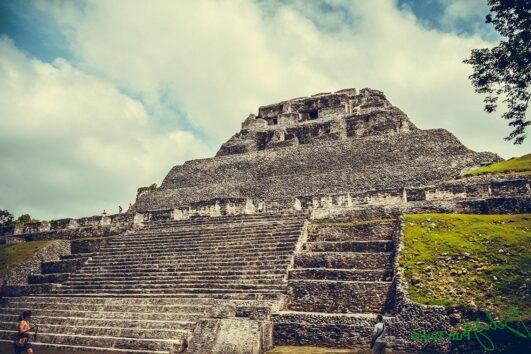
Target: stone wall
{"x": 19, "y": 274}
{"x": 69, "y": 229}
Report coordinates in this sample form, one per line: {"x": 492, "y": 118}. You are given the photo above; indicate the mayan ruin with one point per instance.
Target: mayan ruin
{"x": 292, "y": 235}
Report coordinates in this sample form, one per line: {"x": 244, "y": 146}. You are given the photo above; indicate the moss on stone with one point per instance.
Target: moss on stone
{"x": 478, "y": 262}
{"x": 514, "y": 165}
{"x": 12, "y": 255}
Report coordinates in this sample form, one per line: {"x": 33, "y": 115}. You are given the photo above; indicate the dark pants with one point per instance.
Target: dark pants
{"x": 378, "y": 348}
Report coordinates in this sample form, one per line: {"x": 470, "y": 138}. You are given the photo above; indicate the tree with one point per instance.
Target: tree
{"x": 148, "y": 189}
{"x": 23, "y": 219}
{"x": 6, "y": 218}
{"x": 505, "y": 70}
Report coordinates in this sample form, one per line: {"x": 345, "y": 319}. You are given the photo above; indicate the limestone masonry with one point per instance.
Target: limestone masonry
{"x": 290, "y": 235}
{"x": 327, "y": 143}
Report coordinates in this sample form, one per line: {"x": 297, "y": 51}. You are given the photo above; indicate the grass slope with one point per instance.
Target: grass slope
{"x": 475, "y": 261}
{"x": 516, "y": 164}
{"x": 12, "y": 255}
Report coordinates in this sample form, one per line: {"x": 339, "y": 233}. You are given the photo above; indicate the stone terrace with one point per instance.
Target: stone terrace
{"x": 144, "y": 291}
{"x": 341, "y": 278}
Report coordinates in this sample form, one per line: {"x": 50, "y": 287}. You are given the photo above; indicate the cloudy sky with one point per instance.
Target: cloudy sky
{"x": 100, "y": 97}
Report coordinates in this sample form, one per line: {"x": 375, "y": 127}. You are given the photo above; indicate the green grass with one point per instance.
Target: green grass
{"x": 514, "y": 165}
{"x": 438, "y": 246}
{"x": 12, "y": 255}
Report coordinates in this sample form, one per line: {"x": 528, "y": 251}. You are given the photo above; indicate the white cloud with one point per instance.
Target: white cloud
{"x": 72, "y": 144}
{"x": 217, "y": 61}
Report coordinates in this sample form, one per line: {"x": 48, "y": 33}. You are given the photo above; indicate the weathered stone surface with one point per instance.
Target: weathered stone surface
{"x": 231, "y": 336}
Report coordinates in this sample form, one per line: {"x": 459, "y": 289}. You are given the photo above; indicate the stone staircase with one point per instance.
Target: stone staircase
{"x": 341, "y": 278}
{"x": 144, "y": 291}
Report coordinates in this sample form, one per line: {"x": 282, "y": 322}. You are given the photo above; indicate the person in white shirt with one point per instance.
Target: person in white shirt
{"x": 378, "y": 336}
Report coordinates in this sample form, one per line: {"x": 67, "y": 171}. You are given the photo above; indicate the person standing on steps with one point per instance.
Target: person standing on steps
{"x": 378, "y": 341}
{"x": 22, "y": 340}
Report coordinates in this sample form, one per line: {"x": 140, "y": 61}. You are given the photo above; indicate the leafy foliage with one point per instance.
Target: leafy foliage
{"x": 505, "y": 70}
{"x": 514, "y": 165}
{"x": 148, "y": 189}
{"x": 6, "y": 218}
{"x": 25, "y": 219}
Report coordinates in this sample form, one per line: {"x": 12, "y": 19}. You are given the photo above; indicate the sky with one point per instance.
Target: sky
{"x": 98, "y": 98}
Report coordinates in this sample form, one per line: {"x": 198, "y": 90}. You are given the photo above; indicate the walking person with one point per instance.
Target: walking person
{"x": 378, "y": 341}
{"x": 22, "y": 340}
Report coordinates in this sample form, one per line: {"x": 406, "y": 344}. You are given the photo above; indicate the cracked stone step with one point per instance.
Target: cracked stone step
{"x": 341, "y": 274}
{"x": 349, "y": 246}
{"x": 334, "y": 296}
{"x": 343, "y": 260}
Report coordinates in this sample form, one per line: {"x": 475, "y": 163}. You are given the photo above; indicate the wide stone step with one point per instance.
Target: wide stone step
{"x": 202, "y": 242}
{"x": 48, "y": 278}
{"x": 101, "y": 341}
{"x": 177, "y": 282}
{"x": 63, "y": 266}
{"x": 224, "y": 220}
{"x": 113, "y": 330}
{"x": 171, "y": 255}
{"x": 343, "y": 260}
{"x": 175, "y": 285}
{"x": 340, "y": 274}
{"x": 183, "y": 245}
{"x": 209, "y": 224}
{"x": 65, "y": 348}
{"x": 115, "y": 301}
{"x": 272, "y": 268}
{"x": 355, "y": 232}
{"x": 184, "y": 262}
{"x": 219, "y": 274}
{"x": 217, "y": 296}
{"x": 152, "y": 316}
{"x": 349, "y": 246}
{"x": 188, "y": 251}
{"x": 171, "y": 288}
{"x": 337, "y": 296}
{"x": 102, "y": 322}
{"x": 76, "y": 256}
{"x": 216, "y": 257}
{"x": 186, "y": 265}
{"x": 108, "y": 307}
{"x": 200, "y": 234}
